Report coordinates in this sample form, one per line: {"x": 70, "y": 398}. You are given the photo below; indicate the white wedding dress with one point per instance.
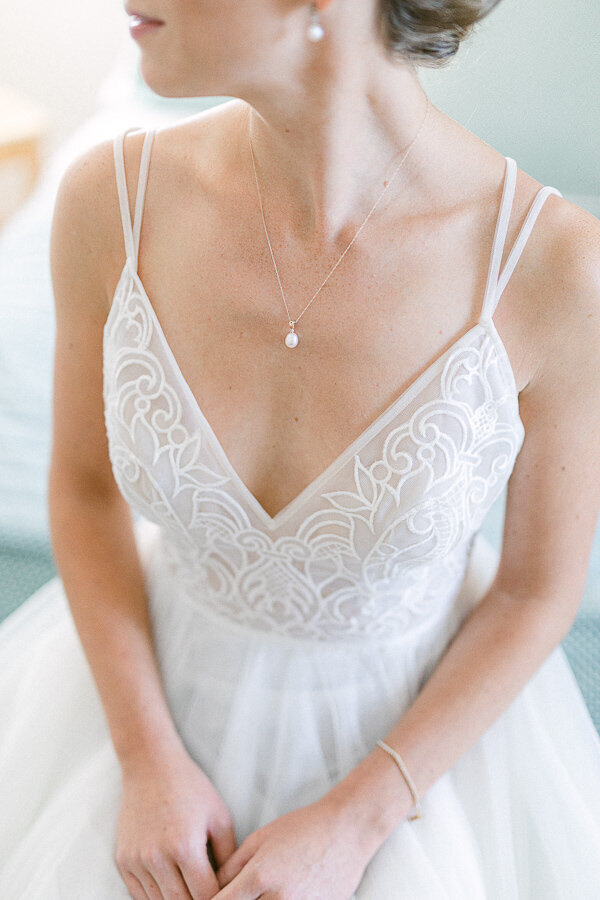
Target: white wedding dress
{"x": 289, "y": 644}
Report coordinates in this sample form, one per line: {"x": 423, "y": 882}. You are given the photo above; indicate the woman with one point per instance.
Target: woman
{"x": 311, "y": 466}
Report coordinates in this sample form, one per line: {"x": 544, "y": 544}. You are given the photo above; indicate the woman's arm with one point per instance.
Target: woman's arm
{"x": 90, "y": 522}
{"x": 552, "y": 509}
{"x": 94, "y": 547}
{"x": 169, "y": 810}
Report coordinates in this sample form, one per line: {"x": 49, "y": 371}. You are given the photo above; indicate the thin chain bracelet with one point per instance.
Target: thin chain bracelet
{"x": 418, "y": 813}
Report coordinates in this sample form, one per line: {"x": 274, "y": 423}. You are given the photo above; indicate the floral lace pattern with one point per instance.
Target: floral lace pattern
{"x": 374, "y": 546}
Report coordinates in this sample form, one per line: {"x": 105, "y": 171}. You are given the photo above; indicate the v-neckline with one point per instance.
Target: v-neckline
{"x": 361, "y": 440}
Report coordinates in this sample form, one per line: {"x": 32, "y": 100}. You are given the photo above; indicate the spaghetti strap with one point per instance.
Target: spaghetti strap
{"x": 517, "y": 248}
{"x": 497, "y": 282}
{"x": 131, "y": 234}
{"x": 506, "y": 203}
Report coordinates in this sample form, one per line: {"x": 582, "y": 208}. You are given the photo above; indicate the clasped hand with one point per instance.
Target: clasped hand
{"x": 173, "y": 820}
{"x": 314, "y": 851}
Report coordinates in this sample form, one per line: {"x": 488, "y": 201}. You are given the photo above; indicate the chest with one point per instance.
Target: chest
{"x": 383, "y": 317}
{"x": 417, "y": 479}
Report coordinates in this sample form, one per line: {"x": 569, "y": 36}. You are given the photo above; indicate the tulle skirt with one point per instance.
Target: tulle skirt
{"x": 275, "y": 722}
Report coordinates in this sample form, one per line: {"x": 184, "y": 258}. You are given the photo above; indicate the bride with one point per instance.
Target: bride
{"x": 292, "y": 334}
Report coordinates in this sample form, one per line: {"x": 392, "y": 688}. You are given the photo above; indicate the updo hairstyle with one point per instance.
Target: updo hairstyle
{"x": 429, "y": 32}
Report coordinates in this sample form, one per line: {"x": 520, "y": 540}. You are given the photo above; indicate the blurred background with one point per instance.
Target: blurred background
{"x": 526, "y": 81}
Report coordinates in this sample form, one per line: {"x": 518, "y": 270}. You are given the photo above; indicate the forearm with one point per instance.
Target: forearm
{"x": 494, "y": 653}
{"x": 96, "y": 554}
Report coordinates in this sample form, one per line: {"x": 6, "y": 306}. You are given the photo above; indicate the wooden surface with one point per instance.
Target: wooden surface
{"x": 23, "y": 126}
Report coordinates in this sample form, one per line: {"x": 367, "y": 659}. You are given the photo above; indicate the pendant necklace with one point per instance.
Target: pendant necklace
{"x": 291, "y": 338}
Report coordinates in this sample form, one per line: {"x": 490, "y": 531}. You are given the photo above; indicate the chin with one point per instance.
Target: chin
{"x": 166, "y": 84}
{"x": 159, "y": 81}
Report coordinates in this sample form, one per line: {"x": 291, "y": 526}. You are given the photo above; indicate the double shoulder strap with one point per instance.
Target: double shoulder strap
{"x": 495, "y": 282}
{"x": 131, "y": 233}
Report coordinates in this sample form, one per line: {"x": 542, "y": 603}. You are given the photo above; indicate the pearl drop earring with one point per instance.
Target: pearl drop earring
{"x": 315, "y": 29}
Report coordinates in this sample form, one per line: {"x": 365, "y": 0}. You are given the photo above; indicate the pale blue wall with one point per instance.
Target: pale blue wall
{"x": 527, "y": 81}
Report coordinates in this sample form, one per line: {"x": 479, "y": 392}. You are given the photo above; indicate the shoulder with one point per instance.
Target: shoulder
{"x": 198, "y": 154}
{"x": 87, "y": 188}
{"x": 571, "y": 239}
{"x": 571, "y": 281}
{"x": 576, "y": 252}
{"x": 567, "y": 324}
{"x": 210, "y": 129}
{"x": 551, "y": 302}
{"x": 87, "y": 230}
{"x": 87, "y": 235}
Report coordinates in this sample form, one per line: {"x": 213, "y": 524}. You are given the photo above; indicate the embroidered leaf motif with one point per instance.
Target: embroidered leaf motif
{"x": 384, "y": 550}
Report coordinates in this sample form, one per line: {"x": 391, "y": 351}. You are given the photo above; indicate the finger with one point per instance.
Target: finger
{"x": 134, "y": 886}
{"x": 149, "y": 884}
{"x": 235, "y": 863}
{"x": 200, "y": 878}
{"x": 170, "y": 881}
{"x": 223, "y": 843}
{"x": 242, "y": 887}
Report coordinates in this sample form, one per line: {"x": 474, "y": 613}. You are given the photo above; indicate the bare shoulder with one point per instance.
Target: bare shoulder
{"x": 87, "y": 232}
{"x": 577, "y": 254}
{"x": 210, "y": 129}
{"x": 86, "y": 235}
{"x": 568, "y": 296}
{"x": 548, "y": 304}
{"x": 198, "y": 154}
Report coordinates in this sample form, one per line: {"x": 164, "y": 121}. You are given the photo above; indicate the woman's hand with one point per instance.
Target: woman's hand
{"x": 315, "y": 851}
{"x": 169, "y": 810}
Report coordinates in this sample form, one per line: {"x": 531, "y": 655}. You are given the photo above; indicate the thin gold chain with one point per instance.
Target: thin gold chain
{"x": 291, "y": 321}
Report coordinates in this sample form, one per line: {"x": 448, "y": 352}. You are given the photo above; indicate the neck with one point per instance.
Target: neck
{"x": 327, "y": 154}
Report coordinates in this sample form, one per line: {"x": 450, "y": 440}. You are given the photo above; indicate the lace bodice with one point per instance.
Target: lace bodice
{"x": 380, "y": 540}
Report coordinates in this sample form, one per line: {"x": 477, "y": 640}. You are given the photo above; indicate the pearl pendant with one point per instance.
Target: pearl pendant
{"x": 291, "y": 338}
{"x": 316, "y": 32}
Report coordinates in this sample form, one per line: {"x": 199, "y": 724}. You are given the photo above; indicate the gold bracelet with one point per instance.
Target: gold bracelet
{"x": 418, "y": 814}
